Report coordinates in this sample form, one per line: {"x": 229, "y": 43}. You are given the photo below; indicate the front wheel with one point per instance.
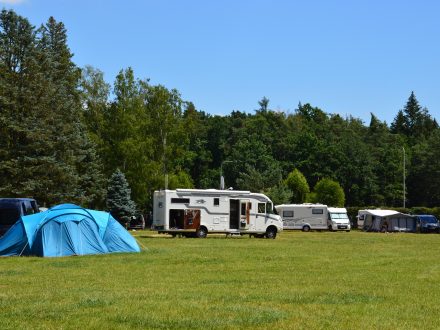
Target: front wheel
{"x": 271, "y": 233}
{"x": 201, "y": 232}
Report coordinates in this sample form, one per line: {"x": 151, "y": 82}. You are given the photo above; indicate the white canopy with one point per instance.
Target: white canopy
{"x": 382, "y": 213}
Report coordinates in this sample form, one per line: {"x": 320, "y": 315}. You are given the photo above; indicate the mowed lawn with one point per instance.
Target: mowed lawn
{"x": 317, "y": 280}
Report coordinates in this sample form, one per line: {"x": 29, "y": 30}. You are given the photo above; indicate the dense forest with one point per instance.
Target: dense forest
{"x": 64, "y": 131}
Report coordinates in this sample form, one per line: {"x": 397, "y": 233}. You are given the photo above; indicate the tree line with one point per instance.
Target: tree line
{"x": 64, "y": 131}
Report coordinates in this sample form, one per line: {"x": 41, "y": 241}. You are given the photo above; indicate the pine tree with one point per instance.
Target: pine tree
{"x": 45, "y": 150}
{"x": 413, "y": 121}
{"x": 264, "y": 104}
{"x": 119, "y": 202}
{"x": 399, "y": 125}
{"x": 18, "y": 76}
{"x": 413, "y": 114}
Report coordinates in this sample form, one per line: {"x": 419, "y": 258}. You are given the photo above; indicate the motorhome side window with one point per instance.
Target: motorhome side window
{"x": 287, "y": 214}
{"x": 216, "y": 201}
{"x": 180, "y": 200}
{"x": 261, "y": 207}
{"x": 243, "y": 209}
{"x": 317, "y": 211}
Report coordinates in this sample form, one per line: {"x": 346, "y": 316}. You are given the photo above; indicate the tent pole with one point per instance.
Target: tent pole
{"x": 23, "y": 249}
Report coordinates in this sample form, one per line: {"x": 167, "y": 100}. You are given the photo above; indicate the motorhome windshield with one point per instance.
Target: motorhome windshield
{"x": 269, "y": 208}
{"x": 335, "y": 216}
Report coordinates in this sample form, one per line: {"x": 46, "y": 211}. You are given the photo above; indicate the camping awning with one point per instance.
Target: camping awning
{"x": 384, "y": 213}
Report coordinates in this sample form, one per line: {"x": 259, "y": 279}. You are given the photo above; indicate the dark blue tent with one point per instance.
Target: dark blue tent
{"x": 66, "y": 230}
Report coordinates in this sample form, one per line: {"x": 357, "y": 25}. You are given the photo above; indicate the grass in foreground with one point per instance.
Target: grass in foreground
{"x": 315, "y": 280}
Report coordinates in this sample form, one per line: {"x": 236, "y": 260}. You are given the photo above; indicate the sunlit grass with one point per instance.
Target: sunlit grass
{"x": 299, "y": 280}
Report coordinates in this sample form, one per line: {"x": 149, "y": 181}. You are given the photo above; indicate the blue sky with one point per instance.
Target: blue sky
{"x": 346, "y": 57}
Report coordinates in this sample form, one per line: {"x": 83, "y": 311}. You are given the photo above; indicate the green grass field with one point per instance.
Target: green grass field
{"x": 316, "y": 280}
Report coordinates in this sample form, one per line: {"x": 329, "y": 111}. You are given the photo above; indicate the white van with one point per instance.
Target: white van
{"x": 313, "y": 216}
{"x": 197, "y": 212}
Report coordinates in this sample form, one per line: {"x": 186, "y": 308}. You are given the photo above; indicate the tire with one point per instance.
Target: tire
{"x": 201, "y": 232}
{"x": 271, "y": 233}
{"x": 330, "y": 228}
{"x": 306, "y": 229}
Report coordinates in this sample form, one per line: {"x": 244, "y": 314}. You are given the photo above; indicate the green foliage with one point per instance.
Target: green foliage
{"x": 424, "y": 173}
{"x": 119, "y": 202}
{"x": 329, "y": 192}
{"x": 279, "y": 194}
{"x": 253, "y": 165}
{"x": 180, "y": 180}
{"x": 297, "y": 183}
{"x": 45, "y": 151}
{"x": 414, "y": 121}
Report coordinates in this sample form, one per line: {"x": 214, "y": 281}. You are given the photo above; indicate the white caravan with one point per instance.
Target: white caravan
{"x": 197, "y": 212}
{"x": 313, "y": 216}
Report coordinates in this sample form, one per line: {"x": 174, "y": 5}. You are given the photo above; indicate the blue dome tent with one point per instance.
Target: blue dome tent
{"x": 66, "y": 230}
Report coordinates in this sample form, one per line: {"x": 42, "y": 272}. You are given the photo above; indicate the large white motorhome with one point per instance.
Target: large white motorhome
{"x": 313, "y": 216}
{"x": 197, "y": 212}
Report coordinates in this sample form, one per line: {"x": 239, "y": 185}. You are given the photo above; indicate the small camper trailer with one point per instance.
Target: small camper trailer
{"x": 313, "y": 216}
{"x": 386, "y": 220}
{"x": 197, "y": 212}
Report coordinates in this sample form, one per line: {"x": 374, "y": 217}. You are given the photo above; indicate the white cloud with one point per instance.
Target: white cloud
{"x": 12, "y": 2}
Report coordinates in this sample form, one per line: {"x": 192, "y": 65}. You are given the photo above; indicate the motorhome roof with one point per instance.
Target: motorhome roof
{"x": 299, "y": 205}
{"x": 216, "y": 192}
{"x": 212, "y": 191}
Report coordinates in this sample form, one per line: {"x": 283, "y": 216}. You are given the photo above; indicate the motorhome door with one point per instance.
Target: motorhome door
{"x": 245, "y": 213}
{"x": 234, "y": 213}
{"x": 192, "y": 219}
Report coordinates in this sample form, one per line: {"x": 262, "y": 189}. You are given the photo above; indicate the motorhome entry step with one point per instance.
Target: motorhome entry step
{"x": 233, "y": 235}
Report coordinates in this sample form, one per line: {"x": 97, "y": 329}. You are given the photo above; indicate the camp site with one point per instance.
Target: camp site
{"x": 219, "y": 165}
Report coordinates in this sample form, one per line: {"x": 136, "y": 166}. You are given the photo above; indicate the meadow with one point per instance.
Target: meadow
{"x": 316, "y": 280}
